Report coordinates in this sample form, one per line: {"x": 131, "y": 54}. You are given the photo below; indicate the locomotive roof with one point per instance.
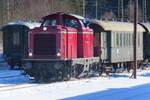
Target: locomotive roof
{"x": 146, "y": 26}
{"x": 117, "y": 26}
{"x": 73, "y": 15}
{"x": 77, "y": 16}
{"x": 28, "y": 24}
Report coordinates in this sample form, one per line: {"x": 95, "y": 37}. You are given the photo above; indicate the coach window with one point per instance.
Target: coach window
{"x": 127, "y": 39}
{"x": 16, "y": 38}
{"x": 120, "y": 39}
{"x": 104, "y": 39}
{"x": 131, "y": 39}
{"x": 113, "y": 39}
{"x": 138, "y": 39}
{"x": 130, "y": 35}
{"x": 124, "y": 40}
{"x": 117, "y": 39}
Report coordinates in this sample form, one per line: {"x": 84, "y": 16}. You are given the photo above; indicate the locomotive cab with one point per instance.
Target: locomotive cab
{"x": 57, "y": 46}
{"x": 84, "y": 34}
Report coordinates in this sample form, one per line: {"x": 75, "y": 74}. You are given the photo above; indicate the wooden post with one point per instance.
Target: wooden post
{"x": 135, "y": 37}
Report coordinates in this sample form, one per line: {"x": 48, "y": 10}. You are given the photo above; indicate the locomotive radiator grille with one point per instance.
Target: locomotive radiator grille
{"x": 45, "y": 44}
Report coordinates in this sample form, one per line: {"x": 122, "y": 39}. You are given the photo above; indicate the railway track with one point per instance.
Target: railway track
{"x": 11, "y": 76}
{"x": 28, "y": 84}
{"x": 17, "y": 86}
{"x": 13, "y": 82}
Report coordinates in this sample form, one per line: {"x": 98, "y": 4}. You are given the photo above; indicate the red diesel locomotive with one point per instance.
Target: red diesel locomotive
{"x": 62, "y": 47}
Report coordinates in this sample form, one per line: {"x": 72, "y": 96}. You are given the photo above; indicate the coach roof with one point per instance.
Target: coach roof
{"x": 117, "y": 26}
{"x": 28, "y": 24}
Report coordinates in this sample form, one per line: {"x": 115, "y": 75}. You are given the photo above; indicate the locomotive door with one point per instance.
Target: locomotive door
{"x": 97, "y": 44}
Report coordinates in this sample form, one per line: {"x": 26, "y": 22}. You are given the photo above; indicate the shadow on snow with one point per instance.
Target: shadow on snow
{"x": 141, "y": 92}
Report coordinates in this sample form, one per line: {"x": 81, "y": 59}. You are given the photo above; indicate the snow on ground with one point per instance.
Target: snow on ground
{"x": 117, "y": 87}
{"x": 9, "y": 77}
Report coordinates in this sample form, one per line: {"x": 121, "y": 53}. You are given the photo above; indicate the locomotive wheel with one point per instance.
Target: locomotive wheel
{"x": 12, "y": 67}
{"x": 67, "y": 73}
{"x": 107, "y": 73}
{"x": 73, "y": 71}
{"x": 39, "y": 74}
{"x": 10, "y": 62}
{"x": 128, "y": 69}
{"x": 100, "y": 73}
{"x": 59, "y": 73}
{"x": 63, "y": 73}
{"x": 78, "y": 71}
{"x": 67, "y": 70}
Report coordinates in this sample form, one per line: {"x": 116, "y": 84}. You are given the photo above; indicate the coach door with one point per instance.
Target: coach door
{"x": 16, "y": 39}
{"x": 104, "y": 45}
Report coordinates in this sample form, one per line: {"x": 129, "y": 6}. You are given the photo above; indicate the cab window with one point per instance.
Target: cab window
{"x": 71, "y": 23}
{"x": 49, "y": 22}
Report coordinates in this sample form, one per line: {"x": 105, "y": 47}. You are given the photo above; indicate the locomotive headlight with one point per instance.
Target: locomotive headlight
{"x": 58, "y": 54}
{"x": 30, "y": 52}
{"x": 44, "y": 28}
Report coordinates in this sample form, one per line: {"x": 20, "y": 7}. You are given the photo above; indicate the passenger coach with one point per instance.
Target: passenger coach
{"x": 117, "y": 42}
{"x": 15, "y": 36}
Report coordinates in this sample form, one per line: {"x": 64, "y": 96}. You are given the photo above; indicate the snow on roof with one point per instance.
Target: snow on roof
{"x": 77, "y": 16}
{"x": 117, "y": 26}
{"x": 28, "y": 24}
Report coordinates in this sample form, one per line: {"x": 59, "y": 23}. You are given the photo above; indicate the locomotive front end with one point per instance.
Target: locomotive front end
{"x": 50, "y": 48}
{"x": 45, "y": 43}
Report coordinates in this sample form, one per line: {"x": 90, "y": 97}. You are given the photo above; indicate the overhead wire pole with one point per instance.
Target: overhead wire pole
{"x": 8, "y": 10}
{"x": 83, "y": 8}
{"x": 51, "y": 5}
{"x": 96, "y": 9}
{"x": 144, "y": 10}
{"x": 135, "y": 38}
{"x": 120, "y": 10}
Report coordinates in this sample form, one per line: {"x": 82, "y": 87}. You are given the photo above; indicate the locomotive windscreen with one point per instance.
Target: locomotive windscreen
{"x": 45, "y": 44}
